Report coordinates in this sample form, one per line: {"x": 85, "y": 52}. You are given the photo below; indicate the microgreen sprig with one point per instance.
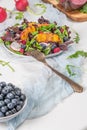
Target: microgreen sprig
{"x": 19, "y": 15}
{"x": 84, "y": 8}
{"x": 42, "y": 6}
{"x": 4, "y": 63}
{"x": 69, "y": 70}
{"x": 77, "y": 54}
{"x": 76, "y": 38}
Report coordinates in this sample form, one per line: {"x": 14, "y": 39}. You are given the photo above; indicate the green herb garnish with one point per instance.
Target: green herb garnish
{"x": 4, "y": 63}
{"x": 77, "y": 54}
{"x": 19, "y": 15}
{"x": 7, "y": 43}
{"x": 47, "y": 50}
{"x": 76, "y": 38}
{"x": 37, "y": 5}
{"x": 47, "y": 28}
{"x": 34, "y": 33}
{"x": 69, "y": 70}
{"x": 24, "y": 25}
{"x": 84, "y": 8}
{"x": 1, "y": 41}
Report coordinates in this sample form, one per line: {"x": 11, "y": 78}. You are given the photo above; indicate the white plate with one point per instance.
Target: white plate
{"x": 7, "y": 118}
{"x": 48, "y": 56}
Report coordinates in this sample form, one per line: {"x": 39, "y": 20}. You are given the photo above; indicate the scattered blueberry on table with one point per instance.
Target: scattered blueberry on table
{"x": 11, "y": 99}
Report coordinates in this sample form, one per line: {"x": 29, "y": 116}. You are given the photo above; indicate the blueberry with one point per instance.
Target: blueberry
{"x": 8, "y": 113}
{"x": 18, "y": 107}
{"x": 23, "y": 97}
{"x": 53, "y": 46}
{"x": 5, "y": 90}
{"x": 4, "y": 109}
{"x": 43, "y": 46}
{"x": 10, "y": 84}
{"x": 0, "y": 89}
{"x": 2, "y": 84}
{"x": 7, "y": 101}
{"x": 1, "y": 114}
{"x": 2, "y": 103}
{"x": 20, "y": 28}
{"x": 20, "y": 103}
{"x": 10, "y": 88}
{"x": 17, "y": 97}
{"x": 10, "y": 105}
{"x": 10, "y": 96}
{"x": 65, "y": 39}
{"x": 23, "y": 46}
{"x": 18, "y": 92}
{"x": 13, "y": 111}
{"x": 16, "y": 89}
{"x": 14, "y": 101}
{"x": 1, "y": 96}
{"x": 13, "y": 92}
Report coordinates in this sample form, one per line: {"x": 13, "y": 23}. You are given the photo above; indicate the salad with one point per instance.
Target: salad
{"x": 43, "y": 35}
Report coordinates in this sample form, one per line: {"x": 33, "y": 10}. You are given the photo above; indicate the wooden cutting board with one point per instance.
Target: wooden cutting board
{"x": 74, "y": 15}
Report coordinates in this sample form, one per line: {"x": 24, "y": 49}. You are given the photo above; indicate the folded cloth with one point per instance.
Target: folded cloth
{"x": 43, "y": 88}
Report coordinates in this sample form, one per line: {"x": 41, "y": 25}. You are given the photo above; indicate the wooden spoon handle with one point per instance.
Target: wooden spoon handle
{"x": 76, "y": 87}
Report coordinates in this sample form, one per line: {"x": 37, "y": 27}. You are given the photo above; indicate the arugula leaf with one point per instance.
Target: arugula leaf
{"x": 4, "y": 63}
{"x": 1, "y": 41}
{"x": 77, "y": 54}
{"x": 76, "y": 38}
{"x": 37, "y": 5}
{"x": 46, "y": 28}
{"x": 84, "y": 8}
{"x": 24, "y": 25}
{"x": 29, "y": 45}
{"x": 19, "y": 15}
{"x": 7, "y": 43}
{"x": 47, "y": 50}
{"x": 58, "y": 32}
{"x": 34, "y": 33}
{"x": 62, "y": 34}
{"x": 68, "y": 68}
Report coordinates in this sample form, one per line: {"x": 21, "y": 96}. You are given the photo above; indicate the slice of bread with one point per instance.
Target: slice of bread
{"x": 75, "y": 15}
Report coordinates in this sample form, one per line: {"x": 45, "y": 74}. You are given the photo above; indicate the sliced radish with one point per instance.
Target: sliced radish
{"x": 15, "y": 46}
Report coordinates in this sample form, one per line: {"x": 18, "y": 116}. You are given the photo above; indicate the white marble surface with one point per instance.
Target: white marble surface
{"x": 71, "y": 114}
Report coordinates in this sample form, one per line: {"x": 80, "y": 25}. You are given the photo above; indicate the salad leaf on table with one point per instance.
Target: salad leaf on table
{"x": 19, "y": 15}
{"x": 4, "y": 63}
{"x": 42, "y": 6}
{"x": 69, "y": 69}
{"x": 76, "y": 38}
{"x": 77, "y": 54}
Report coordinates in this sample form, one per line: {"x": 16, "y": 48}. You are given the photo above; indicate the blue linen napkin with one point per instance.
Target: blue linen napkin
{"x": 45, "y": 93}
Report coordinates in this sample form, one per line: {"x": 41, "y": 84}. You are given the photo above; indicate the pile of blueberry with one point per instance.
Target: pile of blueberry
{"x": 11, "y": 99}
